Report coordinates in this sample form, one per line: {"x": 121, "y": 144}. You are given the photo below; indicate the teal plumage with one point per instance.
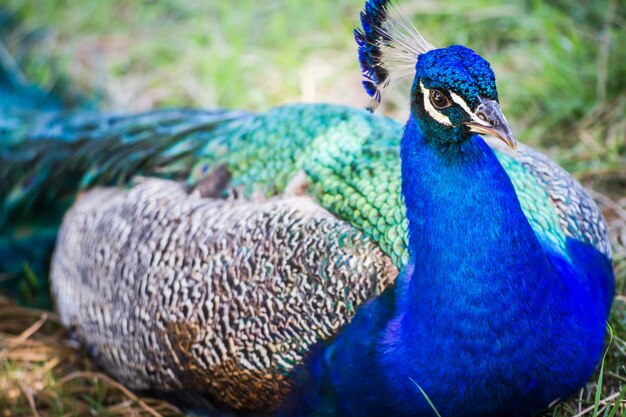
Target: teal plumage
{"x": 260, "y": 271}
{"x": 350, "y": 172}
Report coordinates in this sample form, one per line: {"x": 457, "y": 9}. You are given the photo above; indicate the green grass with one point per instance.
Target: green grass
{"x": 561, "y": 69}
{"x": 560, "y": 66}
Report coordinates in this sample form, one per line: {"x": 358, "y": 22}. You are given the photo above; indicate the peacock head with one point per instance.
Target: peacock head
{"x": 454, "y": 94}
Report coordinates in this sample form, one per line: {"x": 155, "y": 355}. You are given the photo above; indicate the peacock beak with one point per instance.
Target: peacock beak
{"x": 488, "y": 119}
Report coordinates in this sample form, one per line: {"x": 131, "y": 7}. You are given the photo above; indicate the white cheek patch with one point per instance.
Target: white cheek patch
{"x": 432, "y": 111}
{"x": 459, "y": 100}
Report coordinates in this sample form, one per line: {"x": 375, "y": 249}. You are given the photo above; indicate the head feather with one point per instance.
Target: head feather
{"x": 389, "y": 46}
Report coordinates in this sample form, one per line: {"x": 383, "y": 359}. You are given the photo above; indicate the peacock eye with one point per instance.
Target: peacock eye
{"x": 439, "y": 100}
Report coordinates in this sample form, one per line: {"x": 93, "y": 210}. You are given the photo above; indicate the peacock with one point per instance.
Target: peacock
{"x": 316, "y": 259}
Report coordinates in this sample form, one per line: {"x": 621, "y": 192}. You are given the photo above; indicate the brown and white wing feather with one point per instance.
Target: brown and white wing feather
{"x": 222, "y": 297}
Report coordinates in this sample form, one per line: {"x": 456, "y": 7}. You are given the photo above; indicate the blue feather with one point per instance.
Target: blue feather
{"x": 368, "y": 38}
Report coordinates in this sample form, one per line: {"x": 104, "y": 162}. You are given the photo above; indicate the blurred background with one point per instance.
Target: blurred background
{"x": 560, "y": 66}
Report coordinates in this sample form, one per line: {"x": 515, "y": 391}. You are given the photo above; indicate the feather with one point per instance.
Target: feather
{"x": 389, "y": 46}
{"x": 234, "y": 289}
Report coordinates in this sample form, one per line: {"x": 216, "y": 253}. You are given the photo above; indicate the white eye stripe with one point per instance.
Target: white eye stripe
{"x": 459, "y": 100}
{"x": 434, "y": 113}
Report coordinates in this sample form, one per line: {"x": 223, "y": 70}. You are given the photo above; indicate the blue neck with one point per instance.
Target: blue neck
{"x": 480, "y": 278}
{"x": 465, "y": 220}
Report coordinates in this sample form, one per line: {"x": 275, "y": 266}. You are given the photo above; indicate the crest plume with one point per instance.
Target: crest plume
{"x": 389, "y": 45}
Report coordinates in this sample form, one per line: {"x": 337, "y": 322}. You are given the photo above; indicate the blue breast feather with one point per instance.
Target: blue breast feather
{"x": 505, "y": 319}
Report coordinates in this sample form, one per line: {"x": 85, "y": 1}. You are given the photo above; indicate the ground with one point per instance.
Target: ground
{"x": 561, "y": 70}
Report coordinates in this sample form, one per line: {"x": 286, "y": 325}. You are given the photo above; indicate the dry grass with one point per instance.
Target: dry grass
{"x": 43, "y": 373}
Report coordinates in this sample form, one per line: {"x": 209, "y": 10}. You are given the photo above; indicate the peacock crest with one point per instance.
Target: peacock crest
{"x": 389, "y": 46}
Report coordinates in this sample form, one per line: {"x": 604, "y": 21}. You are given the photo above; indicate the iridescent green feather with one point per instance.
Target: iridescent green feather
{"x": 535, "y": 202}
{"x": 352, "y": 165}
{"x": 350, "y": 159}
